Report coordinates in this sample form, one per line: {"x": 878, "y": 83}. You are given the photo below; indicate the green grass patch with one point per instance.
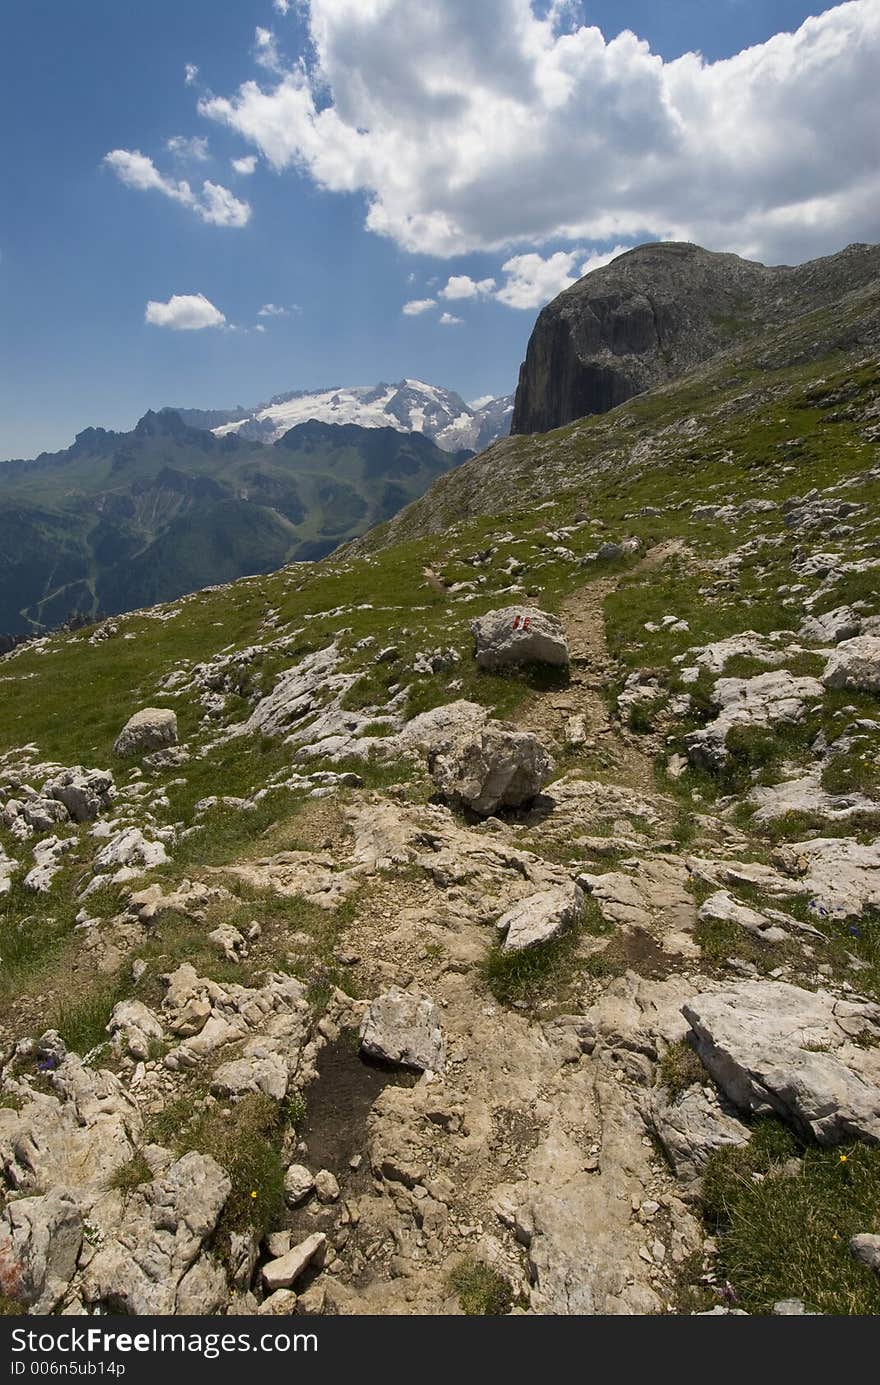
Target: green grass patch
{"x": 82, "y": 1020}
{"x": 786, "y": 1235}
{"x": 130, "y": 1176}
{"x": 481, "y": 1291}
{"x": 680, "y": 1068}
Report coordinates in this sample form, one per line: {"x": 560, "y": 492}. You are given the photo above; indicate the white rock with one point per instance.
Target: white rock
{"x": 400, "y": 1027}
{"x": 777, "y": 1048}
{"x": 493, "y": 768}
{"x": 298, "y": 1183}
{"x": 832, "y": 627}
{"x": 540, "y": 917}
{"x": 691, "y": 1126}
{"x": 721, "y": 907}
{"x": 133, "y": 1027}
{"x": 855, "y": 664}
{"x": 286, "y": 1270}
{"x": 152, "y": 728}
{"x": 518, "y": 635}
{"x": 130, "y": 848}
{"x": 40, "y": 1239}
{"x": 143, "y": 1268}
{"x": 84, "y": 793}
{"x": 766, "y": 700}
{"x": 326, "y": 1186}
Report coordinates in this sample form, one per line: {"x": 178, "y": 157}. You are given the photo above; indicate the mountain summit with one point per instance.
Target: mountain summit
{"x": 410, "y": 406}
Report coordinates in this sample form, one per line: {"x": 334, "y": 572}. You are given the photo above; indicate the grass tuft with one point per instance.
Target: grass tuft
{"x": 482, "y": 1291}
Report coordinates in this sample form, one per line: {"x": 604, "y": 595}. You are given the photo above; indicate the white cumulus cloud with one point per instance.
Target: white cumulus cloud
{"x": 245, "y": 165}
{"x": 450, "y": 320}
{"x": 416, "y": 306}
{"x": 215, "y": 204}
{"x": 190, "y": 73}
{"x": 273, "y": 310}
{"x": 463, "y": 286}
{"x": 532, "y": 280}
{"x": 491, "y": 126}
{"x": 184, "y": 312}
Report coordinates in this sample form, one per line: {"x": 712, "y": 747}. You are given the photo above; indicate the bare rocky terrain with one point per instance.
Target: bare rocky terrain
{"x": 486, "y": 918}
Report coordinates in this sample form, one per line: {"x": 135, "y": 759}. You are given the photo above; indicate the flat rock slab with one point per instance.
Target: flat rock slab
{"x": 775, "y": 1048}
{"x": 691, "y": 1126}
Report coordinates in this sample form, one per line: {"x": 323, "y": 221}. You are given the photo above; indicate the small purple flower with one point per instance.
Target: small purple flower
{"x": 48, "y": 1064}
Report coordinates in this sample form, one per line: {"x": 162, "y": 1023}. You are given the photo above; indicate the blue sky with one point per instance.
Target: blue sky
{"x": 493, "y": 143}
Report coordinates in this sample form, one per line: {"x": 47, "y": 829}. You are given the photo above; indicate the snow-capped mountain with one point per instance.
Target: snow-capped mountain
{"x": 410, "y": 406}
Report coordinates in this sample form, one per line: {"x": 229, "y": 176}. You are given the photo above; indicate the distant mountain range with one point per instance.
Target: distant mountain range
{"x": 123, "y": 520}
{"x": 410, "y": 406}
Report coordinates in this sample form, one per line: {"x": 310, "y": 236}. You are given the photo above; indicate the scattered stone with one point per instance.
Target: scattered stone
{"x": 84, "y": 793}
{"x": 286, "y": 1270}
{"x": 866, "y": 1249}
{"x": 298, "y": 1183}
{"x": 133, "y": 1028}
{"x": 326, "y": 1186}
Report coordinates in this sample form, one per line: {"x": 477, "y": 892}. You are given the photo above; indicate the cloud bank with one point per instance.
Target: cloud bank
{"x": 483, "y": 127}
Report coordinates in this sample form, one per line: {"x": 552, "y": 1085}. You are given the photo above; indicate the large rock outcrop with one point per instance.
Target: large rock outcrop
{"x": 656, "y": 312}
{"x": 803, "y": 1055}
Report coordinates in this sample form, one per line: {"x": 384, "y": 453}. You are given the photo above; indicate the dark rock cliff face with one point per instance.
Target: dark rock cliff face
{"x": 657, "y": 312}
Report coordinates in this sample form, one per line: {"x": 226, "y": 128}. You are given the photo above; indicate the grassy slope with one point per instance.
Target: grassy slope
{"x": 753, "y": 425}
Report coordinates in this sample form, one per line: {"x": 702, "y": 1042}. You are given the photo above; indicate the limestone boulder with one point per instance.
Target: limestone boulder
{"x": 84, "y": 793}
{"x": 855, "y": 665}
{"x": 492, "y": 768}
{"x": 145, "y": 1268}
{"x": 539, "y": 918}
{"x": 152, "y": 728}
{"x": 40, "y": 1239}
{"x": 519, "y": 635}
{"x": 404, "y": 1028}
